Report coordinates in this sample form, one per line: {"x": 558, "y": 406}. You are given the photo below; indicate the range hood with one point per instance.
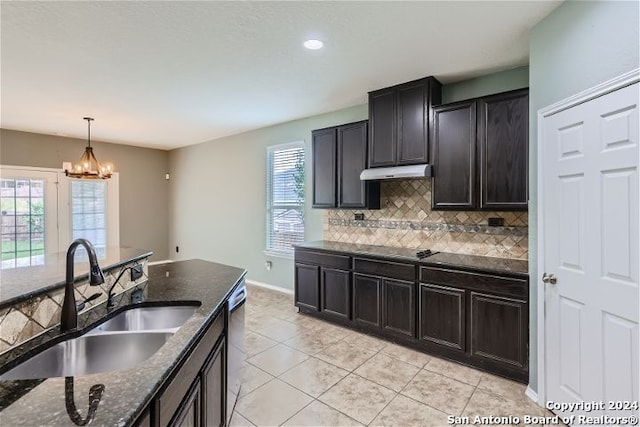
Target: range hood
{"x": 413, "y": 171}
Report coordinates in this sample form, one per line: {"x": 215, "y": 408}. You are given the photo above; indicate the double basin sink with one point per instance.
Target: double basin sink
{"x": 120, "y": 343}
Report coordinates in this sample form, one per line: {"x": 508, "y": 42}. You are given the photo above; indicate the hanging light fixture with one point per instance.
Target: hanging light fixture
{"x": 89, "y": 167}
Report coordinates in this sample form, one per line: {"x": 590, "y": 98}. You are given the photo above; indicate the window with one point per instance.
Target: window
{"x": 285, "y": 197}
{"x": 43, "y": 211}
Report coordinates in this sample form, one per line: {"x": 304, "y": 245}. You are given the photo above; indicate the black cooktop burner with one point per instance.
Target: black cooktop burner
{"x": 424, "y": 253}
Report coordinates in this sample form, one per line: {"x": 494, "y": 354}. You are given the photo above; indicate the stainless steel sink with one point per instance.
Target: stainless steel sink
{"x": 90, "y": 354}
{"x": 147, "y": 319}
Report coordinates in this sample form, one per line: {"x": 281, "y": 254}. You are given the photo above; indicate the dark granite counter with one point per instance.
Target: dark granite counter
{"x": 440, "y": 259}
{"x": 22, "y": 283}
{"x": 128, "y": 392}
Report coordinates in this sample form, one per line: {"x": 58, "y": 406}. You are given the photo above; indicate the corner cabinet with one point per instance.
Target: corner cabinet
{"x": 339, "y": 154}
{"x": 480, "y": 153}
{"x": 399, "y": 119}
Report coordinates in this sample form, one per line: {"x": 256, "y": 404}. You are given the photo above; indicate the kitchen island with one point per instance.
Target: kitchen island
{"x": 139, "y": 395}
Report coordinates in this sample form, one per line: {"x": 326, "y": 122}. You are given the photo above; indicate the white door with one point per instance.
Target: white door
{"x": 590, "y": 202}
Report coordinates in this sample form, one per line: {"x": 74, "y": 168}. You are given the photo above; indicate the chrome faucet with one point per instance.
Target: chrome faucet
{"x": 69, "y": 317}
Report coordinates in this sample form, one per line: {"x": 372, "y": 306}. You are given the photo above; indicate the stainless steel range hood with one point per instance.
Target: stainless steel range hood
{"x": 413, "y": 171}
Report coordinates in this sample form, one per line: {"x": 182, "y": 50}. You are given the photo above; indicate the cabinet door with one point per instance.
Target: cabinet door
{"x": 323, "y": 151}
{"x": 413, "y": 116}
{"x": 189, "y": 413}
{"x": 499, "y": 330}
{"x": 398, "y": 307}
{"x": 307, "y": 286}
{"x": 382, "y": 128}
{"x": 454, "y": 156}
{"x": 503, "y": 144}
{"x": 442, "y": 316}
{"x": 352, "y": 156}
{"x": 366, "y": 300}
{"x": 213, "y": 388}
{"x": 336, "y": 292}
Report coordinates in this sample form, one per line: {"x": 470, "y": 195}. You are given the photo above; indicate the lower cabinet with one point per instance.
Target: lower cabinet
{"x": 442, "y": 316}
{"x": 307, "y": 286}
{"x": 366, "y": 300}
{"x": 398, "y": 307}
{"x": 195, "y": 396}
{"x": 475, "y": 318}
{"x": 335, "y": 292}
{"x": 499, "y": 330}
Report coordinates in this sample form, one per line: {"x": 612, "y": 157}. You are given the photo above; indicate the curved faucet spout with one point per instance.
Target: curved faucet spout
{"x": 69, "y": 316}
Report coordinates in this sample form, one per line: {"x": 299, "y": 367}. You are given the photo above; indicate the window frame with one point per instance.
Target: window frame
{"x": 269, "y": 205}
{"x": 62, "y": 221}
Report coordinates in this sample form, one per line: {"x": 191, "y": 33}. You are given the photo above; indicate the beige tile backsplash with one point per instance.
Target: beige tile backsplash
{"x": 406, "y": 220}
{"x": 26, "y": 319}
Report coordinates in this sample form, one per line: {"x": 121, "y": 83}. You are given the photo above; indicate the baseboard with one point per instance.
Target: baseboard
{"x": 164, "y": 261}
{"x": 271, "y": 287}
{"x": 531, "y": 394}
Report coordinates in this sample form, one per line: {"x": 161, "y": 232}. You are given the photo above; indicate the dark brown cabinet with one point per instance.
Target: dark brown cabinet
{"x": 398, "y": 307}
{"x": 454, "y": 156}
{"x": 473, "y": 317}
{"x": 307, "y": 286}
{"x": 213, "y": 388}
{"x": 189, "y": 413}
{"x": 480, "y": 153}
{"x": 384, "y": 296}
{"x": 499, "y": 330}
{"x": 339, "y": 155}
{"x": 442, "y": 316}
{"x": 503, "y": 149}
{"x": 195, "y": 394}
{"x": 366, "y": 300}
{"x": 336, "y": 292}
{"x": 399, "y": 120}
{"x": 323, "y": 152}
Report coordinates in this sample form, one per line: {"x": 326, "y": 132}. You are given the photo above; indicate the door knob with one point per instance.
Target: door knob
{"x": 549, "y": 278}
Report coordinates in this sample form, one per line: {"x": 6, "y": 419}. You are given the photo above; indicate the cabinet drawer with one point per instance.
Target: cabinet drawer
{"x": 475, "y": 281}
{"x": 394, "y": 270}
{"x": 326, "y": 260}
{"x": 179, "y": 386}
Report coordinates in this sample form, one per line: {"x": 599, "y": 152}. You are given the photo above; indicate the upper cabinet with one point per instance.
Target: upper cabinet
{"x": 480, "y": 153}
{"x": 399, "y": 122}
{"x": 339, "y": 154}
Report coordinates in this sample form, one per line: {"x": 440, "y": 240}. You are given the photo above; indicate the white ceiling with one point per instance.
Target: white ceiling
{"x": 170, "y": 74}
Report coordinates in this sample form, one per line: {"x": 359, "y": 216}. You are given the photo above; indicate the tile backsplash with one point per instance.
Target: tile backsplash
{"x": 406, "y": 220}
{"x": 26, "y": 319}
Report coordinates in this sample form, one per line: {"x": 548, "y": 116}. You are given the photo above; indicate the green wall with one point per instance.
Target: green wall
{"x": 515, "y": 78}
{"x": 217, "y": 197}
{"x": 579, "y": 45}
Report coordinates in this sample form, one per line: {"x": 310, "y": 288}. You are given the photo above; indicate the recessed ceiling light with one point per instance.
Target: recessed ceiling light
{"x": 313, "y": 44}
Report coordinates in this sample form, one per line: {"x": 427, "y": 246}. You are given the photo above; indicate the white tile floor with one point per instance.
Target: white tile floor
{"x": 300, "y": 371}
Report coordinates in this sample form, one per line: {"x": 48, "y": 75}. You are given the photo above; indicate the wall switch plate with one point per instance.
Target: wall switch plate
{"x": 358, "y": 217}
{"x": 496, "y": 222}
{"x": 137, "y": 296}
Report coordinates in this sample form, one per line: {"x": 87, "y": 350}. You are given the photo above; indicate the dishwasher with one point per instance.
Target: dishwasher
{"x": 235, "y": 352}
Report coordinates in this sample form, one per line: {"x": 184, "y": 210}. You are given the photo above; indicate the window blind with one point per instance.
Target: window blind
{"x": 285, "y": 197}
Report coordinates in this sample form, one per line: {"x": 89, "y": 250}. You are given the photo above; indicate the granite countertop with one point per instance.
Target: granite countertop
{"x": 440, "y": 259}
{"x": 128, "y": 392}
{"x": 22, "y": 283}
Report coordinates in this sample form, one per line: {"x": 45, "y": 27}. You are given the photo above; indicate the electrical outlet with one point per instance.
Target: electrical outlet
{"x": 177, "y": 249}
{"x": 136, "y": 272}
{"x": 358, "y": 217}
{"x": 268, "y": 265}
{"x": 496, "y": 222}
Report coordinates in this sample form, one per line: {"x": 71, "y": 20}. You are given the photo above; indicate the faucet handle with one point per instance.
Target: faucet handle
{"x": 80, "y": 305}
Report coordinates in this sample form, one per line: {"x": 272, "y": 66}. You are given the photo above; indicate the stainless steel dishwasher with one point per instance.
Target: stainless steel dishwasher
{"x": 235, "y": 350}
